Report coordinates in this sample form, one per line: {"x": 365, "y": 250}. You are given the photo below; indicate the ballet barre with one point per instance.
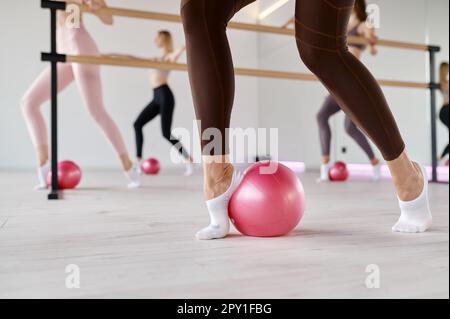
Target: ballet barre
{"x": 260, "y": 28}
{"x": 151, "y": 64}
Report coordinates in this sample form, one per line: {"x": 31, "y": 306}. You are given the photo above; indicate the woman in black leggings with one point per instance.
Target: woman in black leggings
{"x": 163, "y": 101}
{"x": 321, "y": 29}
{"x": 443, "y": 114}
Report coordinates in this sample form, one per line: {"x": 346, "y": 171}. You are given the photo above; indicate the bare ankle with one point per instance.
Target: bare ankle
{"x": 42, "y": 152}
{"x": 407, "y": 177}
{"x": 409, "y": 190}
{"x": 42, "y": 162}
{"x": 217, "y": 179}
{"x": 325, "y": 159}
{"x": 374, "y": 161}
{"x": 411, "y": 186}
{"x": 127, "y": 164}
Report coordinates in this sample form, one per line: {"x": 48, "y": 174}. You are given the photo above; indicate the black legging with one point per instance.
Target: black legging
{"x": 163, "y": 104}
{"x": 321, "y": 29}
{"x": 444, "y": 116}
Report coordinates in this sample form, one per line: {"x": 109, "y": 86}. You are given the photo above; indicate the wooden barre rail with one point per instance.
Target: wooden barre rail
{"x": 148, "y": 15}
{"x": 150, "y": 64}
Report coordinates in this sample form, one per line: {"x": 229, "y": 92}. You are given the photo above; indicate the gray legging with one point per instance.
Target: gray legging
{"x": 329, "y": 108}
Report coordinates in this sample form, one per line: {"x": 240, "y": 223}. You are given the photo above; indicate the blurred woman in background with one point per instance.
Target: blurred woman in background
{"x": 163, "y": 102}
{"x": 443, "y": 114}
{"x": 74, "y": 40}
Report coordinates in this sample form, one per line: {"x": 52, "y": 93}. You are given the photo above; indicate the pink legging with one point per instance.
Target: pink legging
{"x": 87, "y": 78}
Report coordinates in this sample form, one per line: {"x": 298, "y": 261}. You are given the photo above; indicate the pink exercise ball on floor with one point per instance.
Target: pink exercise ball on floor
{"x": 267, "y": 205}
{"x": 69, "y": 175}
{"x": 151, "y": 166}
{"x": 338, "y": 172}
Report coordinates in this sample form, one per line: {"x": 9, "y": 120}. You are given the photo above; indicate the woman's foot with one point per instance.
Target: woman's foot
{"x": 139, "y": 165}
{"x": 376, "y": 172}
{"x": 219, "y": 226}
{"x": 376, "y": 177}
{"x": 42, "y": 173}
{"x": 324, "y": 173}
{"x": 415, "y": 210}
{"x": 376, "y": 168}
{"x": 189, "y": 169}
{"x": 219, "y": 184}
{"x": 131, "y": 171}
{"x": 133, "y": 177}
{"x": 43, "y": 167}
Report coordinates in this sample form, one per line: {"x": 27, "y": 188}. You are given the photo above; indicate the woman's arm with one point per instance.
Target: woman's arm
{"x": 176, "y": 55}
{"x": 95, "y": 5}
{"x": 370, "y": 34}
{"x": 79, "y": 2}
{"x": 288, "y": 23}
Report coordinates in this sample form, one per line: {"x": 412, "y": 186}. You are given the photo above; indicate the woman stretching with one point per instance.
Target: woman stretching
{"x": 356, "y": 27}
{"x": 163, "y": 101}
{"x": 73, "y": 40}
{"x": 321, "y": 29}
{"x": 443, "y": 114}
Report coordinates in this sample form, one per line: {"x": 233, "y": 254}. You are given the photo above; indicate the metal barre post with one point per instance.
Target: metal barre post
{"x": 54, "y": 59}
{"x": 432, "y": 50}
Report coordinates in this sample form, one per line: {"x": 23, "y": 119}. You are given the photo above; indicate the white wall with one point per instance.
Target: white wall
{"x": 25, "y": 33}
{"x": 289, "y": 105}
{"x": 292, "y": 106}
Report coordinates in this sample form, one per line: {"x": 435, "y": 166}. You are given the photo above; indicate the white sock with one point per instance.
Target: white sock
{"x": 415, "y": 215}
{"x": 218, "y": 213}
{"x": 42, "y": 173}
{"x": 189, "y": 169}
{"x": 139, "y": 166}
{"x": 133, "y": 176}
{"x": 324, "y": 170}
{"x": 376, "y": 172}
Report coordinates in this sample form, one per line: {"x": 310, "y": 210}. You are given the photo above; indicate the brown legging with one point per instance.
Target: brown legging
{"x": 321, "y": 27}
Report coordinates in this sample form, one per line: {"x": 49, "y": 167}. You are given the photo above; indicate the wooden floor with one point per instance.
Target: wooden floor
{"x": 140, "y": 244}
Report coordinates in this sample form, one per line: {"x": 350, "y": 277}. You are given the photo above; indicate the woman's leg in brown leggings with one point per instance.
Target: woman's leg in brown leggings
{"x": 321, "y": 27}
{"x": 211, "y": 75}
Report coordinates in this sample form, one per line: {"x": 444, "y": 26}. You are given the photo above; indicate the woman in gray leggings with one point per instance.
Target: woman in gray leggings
{"x": 357, "y": 27}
